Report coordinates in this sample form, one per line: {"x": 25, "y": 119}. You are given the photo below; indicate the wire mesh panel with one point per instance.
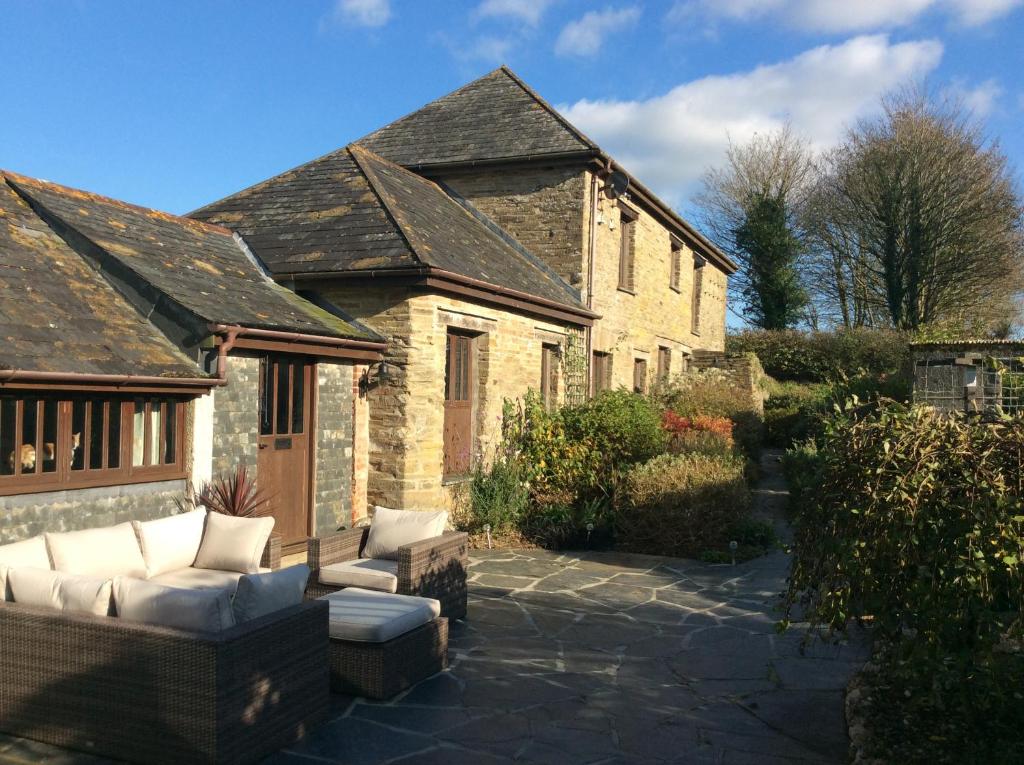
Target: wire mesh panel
{"x": 970, "y": 383}
{"x": 574, "y": 366}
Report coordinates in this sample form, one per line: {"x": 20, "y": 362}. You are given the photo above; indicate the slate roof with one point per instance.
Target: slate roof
{"x": 58, "y": 314}
{"x": 352, "y": 210}
{"x": 198, "y": 266}
{"x": 495, "y": 117}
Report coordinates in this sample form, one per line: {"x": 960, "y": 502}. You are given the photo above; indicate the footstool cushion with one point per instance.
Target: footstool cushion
{"x": 382, "y": 643}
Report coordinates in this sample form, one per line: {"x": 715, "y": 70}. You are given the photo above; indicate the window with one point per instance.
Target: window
{"x": 549, "y": 363}
{"x": 283, "y": 382}
{"x": 627, "y": 234}
{"x": 639, "y": 375}
{"x": 52, "y": 442}
{"x": 698, "y": 289}
{"x": 459, "y": 395}
{"x": 675, "y": 265}
{"x": 664, "y": 362}
{"x": 601, "y": 372}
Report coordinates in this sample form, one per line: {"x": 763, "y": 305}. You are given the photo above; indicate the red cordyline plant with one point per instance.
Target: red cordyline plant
{"x": 233, "y": 494}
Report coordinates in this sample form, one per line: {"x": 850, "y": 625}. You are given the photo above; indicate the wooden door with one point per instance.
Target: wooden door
{"x": 459, "y": 390}
{"x": 285, "y": 442}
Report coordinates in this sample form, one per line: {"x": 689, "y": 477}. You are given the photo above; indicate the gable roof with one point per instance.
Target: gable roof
{"x": 198, "y": 267}
{"x": 58, "y": 314}
{"x": 353, "y": 211}
{"x": 492, "y": 118}
{"x": 499, "y": 118}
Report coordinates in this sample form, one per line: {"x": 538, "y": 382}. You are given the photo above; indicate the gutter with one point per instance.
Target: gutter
{"x": 12, "y": 375}
{"x": 234, "y": 332}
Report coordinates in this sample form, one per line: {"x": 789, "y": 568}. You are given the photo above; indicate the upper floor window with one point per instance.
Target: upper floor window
{"x": 627, "y": 245}
{"x": 56, "y": 441}
{"x": 549, "y": 375}
{"x": 698, "y": 290}
{"x": 601, "y": 371}
{"x": 675, "y": 265}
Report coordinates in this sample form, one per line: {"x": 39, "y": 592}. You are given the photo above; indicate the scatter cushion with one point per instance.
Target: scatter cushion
{"x": 137, "y": 600}
{"x": 390, "y": 529}
{"x": 261, "y": 594}
{"x": 200, "y": 579}
{"x": 55, "y": 589}
{"x": 31, "y": 553}
{"x": 104, "y": 553}
{"x": 369, "y": 573}
{"x": 376, "y": 617}
{"x": 234, "y": 544}
{"x": 170, "y": 543}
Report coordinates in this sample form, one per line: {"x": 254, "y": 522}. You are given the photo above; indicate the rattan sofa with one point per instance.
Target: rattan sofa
{"x": 432, "y": 568}
{"x": 150, "y": 694}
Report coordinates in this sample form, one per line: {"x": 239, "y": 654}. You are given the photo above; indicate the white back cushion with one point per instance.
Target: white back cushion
{"x": 55, "y": 589}
{"x": 137, "y": 600}
{"x": 233, "y": 544}
{"x": 171, "y": 543}
{"x": 104, "y": 553}
{"x": 261, "y": 594}
{"x": 390, "y": 529}
{"x": 31, "y": 553}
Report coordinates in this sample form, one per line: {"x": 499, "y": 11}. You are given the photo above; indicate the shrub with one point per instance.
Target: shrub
{"x": 711, "y": 435}
{"x": 620, "y": 426}
{"x": 802, "y": 468}
{"x": 917, "y": 520}
{"x": 680, "y": 505}
{"x": 498, "y": 496}
{"x": 793, "y": 410}
{"x": 821, "y": 356}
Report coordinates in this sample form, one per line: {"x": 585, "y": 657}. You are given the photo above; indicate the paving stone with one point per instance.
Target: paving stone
{"x": 619, "y": 596}
{"x": 359, "y": 742}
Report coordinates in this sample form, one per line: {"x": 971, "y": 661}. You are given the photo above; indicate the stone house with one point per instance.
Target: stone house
{"x": 497, "y": 249}
{"x": 141, "y": 352}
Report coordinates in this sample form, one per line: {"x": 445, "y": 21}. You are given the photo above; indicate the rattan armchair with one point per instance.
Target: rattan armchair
{"x": 431, "y": 568}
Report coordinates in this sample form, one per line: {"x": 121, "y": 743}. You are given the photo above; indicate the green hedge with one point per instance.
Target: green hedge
{"x": 822, "y": 356}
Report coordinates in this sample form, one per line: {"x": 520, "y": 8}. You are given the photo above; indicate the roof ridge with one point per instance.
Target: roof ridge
{"x": 60, "y": 188}
{"x": 354, "y": 150}
{"x": 547, "y": 107}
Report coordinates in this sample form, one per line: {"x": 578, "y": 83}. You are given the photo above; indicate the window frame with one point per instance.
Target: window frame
{"x": 627, "y": 249}
{"x": 699, "y": 264}
{"x": 601, "y": 371}
{"x": 640, "y": 375}
{"x": 675, "y": 267}
{"x": 664, "y": 362}
{"x": 65, "y": 476}
{"x": 549, "y": 364}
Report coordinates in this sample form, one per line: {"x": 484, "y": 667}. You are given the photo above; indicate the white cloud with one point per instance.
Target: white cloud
{"x": 526, "y": 11}
{"x": 361, "y": 13}
{"x": 486, "y": 48}
{"x": 839, "y": 16}
{"x": 981, "y": 99}
{"x": 669, "y": 140}
{"x": 584, "y": 36}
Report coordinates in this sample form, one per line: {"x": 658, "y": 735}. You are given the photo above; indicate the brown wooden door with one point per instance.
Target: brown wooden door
{"x": 459, "y": 389}
{"x": 283, "y": 468}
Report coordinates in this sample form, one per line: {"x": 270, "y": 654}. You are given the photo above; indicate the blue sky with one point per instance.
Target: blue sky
{"x": 175, "y": 104}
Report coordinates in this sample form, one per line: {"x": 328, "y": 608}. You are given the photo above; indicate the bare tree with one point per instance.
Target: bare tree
{"x": 916, "y": 219}
{"x": 752, "y": 208}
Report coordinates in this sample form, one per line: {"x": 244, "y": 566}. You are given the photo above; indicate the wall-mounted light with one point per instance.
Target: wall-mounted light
{"x": 375, "y": 374}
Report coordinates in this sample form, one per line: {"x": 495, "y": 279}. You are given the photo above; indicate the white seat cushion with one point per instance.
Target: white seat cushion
{"x": 261, "y": 594}
{"x": 390, "y": 529}
{"x": 103, "y": 553}
{"x": 371, "y": 574}
{"x": 31, "y": 554}
{"x": 200, "y": 579}
{"x": 233, "y": 544}
{"x": 55, "y": 589}
{"x": 376, "y": 617}
{"x": 138, "y": 600}
{"x": 171, "y": 543}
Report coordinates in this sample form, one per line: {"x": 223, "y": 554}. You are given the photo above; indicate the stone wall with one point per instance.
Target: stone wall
{"x": 407, "y": 412}
{"x": 742, "y": 371}
{"x": 542, "y": 207}
{"x": 332, "y": 498}
{"x": 236, "y": 416}
{"x": 28, "y": 515}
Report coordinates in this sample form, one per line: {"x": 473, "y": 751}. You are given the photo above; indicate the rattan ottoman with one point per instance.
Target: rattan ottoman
{"x": 383, "y": 643}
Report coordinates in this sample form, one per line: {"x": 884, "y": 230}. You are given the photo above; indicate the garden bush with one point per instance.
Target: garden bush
{"x": 620, "y": 426}
{"x": 709, "y": 435}
{"x": 821, "y": 356}
{"x": 916, "y": 522}
{"x": 680, "y": 504}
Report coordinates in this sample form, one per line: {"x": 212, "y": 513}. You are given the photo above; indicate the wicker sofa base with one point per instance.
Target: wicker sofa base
{"x": 382, "y": 670}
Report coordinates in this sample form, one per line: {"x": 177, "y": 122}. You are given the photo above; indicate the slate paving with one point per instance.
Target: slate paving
{"x": 603, "y": 659}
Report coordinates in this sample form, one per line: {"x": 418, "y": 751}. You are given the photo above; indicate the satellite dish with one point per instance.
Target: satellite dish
{"x": 616, "y": 184}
